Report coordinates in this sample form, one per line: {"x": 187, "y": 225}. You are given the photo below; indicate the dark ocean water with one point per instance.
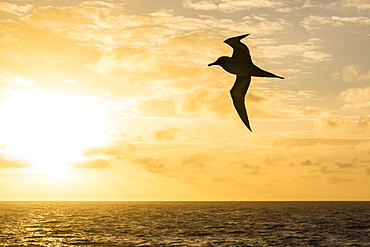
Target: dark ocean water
{"x": 184, "y": 223}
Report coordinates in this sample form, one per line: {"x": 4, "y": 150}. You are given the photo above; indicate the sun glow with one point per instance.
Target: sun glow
{"x": 49, "y": 130}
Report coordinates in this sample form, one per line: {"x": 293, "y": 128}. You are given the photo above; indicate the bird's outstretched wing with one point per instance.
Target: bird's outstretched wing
{"x": 238, "y": 92}
{"x": 241, "y": 51}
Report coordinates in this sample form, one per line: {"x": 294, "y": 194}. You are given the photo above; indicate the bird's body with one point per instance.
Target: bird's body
{"x": 242, "y": 68}
{"x": 241, "y": 65}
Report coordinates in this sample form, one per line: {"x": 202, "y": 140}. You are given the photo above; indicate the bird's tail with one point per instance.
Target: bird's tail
{"x": 263, "y": 73}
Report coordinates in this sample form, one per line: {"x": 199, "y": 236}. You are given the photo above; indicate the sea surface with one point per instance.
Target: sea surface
{"x": 184, "y": 223}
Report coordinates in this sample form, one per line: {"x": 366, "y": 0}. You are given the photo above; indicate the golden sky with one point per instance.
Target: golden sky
{"x": 113, "y": 100}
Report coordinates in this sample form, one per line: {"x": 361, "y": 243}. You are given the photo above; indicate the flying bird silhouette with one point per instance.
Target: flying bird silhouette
{"x": 241, "y": 65}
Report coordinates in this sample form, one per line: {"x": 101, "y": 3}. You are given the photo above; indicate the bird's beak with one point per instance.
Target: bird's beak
{"x": 214, "y": 63}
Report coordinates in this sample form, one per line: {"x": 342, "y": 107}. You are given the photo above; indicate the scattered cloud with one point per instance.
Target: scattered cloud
{"x": 11, "y": 163}
{"x": 312, "y": 142}
{"x": 199, "y": 160}
{"x": 261, "y": 103}
{"x": 118, "y": 147}
{"x": 338, "y": 5}
{"x": 11, "y": 81}
{"x": 157, "y": 108}
{"x": 336, "y": 180}
{"x": 230, "y": 6}
{"x": 352, "y": 73}
{"x": 104, "y": 51}
{"x": 307, "y": 162}
{"x": 357, "y": 99}
{"x": 152, "y": 70}
{"x": 152, "y": 165}
{"x": 247, "y": 168}
{"x": 313, "y": 22}
{"x": 339, "y": 125}
{"x": 167, "y": 133}
{"x": 344, "y": 165}
{"x": 358, "y": 4}
{"x": 91, "y": 163}
{"x": 201, "y": 101}
{"x": 18, "y": 10}
{"x": 265, "y": 103}
{"x": 368, "y": 171}
{"x": 355, "y": 95}
{"x": 326, "y": 170}
{"x": 310, "y": 51}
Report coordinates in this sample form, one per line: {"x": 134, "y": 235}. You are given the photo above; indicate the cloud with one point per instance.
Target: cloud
{"x": 28, "y": 51}
{"x": 308, "y": 50}
{"x": 200, "y": 5}
{"x": 157, "y": 108}
{"x": 99, "y": 49}
{"x": 110, "y": 26}
{"x": 337, "y": 5}
{"x": 335, "y": 125}
{"x": 311, "y": 142}
{"x": 91, "y": 163}
{"x": 152, "y": 165}
{"x": 313, "y": 22}
{"x": 355, "y": 95}
{"x": 118, "y": 148}
{"x": 308, "y": 162}
{"x": 359, "y": 4}
{"x": 200, "y": 160}
{"x": 12, "y": 163}
{"x": 339, "y": 180}
{"x": 368, "y": 171}
{"x": 166, "y": 133}
{"x": 344, "y": 165}
{"x": 104, "y": 5}
{"x": 152, "y": 69}
{"x": 264, "y": 103}
{"x": 230, "y": 6}
{"x": 261, "y": 103}
{"x": 11, "y": 81}
{"x": 247, "y": 168}
{"x": 357, "y": 99}
{"x": 201, "y": 101}
{"x": 329, "y": 169}
{"x": 260, "y": 25}
{"x": 352, "y": 73}
{"x": 317, "y": 56}
{"x": 18, "y": 10}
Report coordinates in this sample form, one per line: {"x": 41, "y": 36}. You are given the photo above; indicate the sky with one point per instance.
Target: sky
{"x": 113, "y": 100}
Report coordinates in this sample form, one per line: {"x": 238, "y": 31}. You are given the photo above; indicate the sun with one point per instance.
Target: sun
{"x": 49, "y": 130}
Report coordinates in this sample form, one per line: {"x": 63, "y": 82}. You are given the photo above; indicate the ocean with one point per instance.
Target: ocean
{"x": 184, "y": 224}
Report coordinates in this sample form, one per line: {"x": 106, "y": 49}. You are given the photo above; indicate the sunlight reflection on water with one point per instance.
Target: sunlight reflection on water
{"x": 185, "y": 223}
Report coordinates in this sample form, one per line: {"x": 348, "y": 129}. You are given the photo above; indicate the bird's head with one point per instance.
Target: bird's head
{"x": 220, "y": 61}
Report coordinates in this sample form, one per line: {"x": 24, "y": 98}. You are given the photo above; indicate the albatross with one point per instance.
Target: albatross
{"x": 241, "y": 65}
